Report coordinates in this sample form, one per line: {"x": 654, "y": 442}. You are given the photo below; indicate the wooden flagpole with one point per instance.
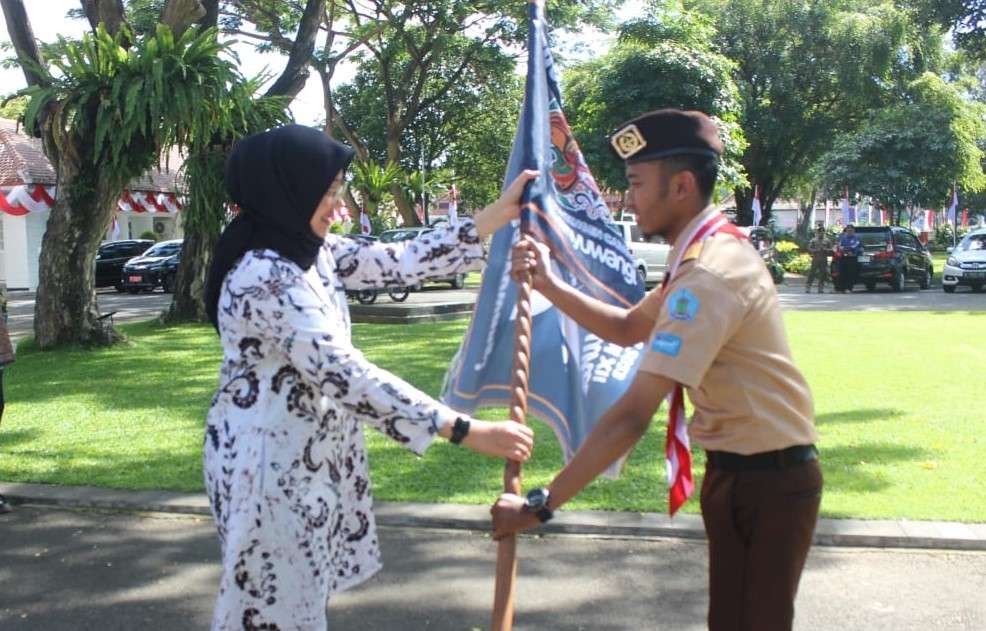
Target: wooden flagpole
{"x": 506, "y": 552}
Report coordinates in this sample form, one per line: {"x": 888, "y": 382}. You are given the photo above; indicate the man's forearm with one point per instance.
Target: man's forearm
{"x": 612, "y": 437}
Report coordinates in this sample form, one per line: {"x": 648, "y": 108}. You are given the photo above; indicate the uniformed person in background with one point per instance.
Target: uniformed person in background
{"x": 717, "y": 330}
{"x": 819, "y": 249}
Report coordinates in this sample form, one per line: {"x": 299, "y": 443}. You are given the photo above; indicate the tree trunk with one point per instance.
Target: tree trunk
{"x": 804, "y": 216}
{"x": 295, "y": 74}
{"x": 109, "y": 13}
{"x": 404, "y": 206}
{"x": 202, "y": 221}
{"x": 22, "y": 36}
{"x": 66, "y": 310}
{"x": 187, "y": 303}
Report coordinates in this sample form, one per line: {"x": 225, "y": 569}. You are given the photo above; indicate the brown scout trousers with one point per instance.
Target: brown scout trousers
{"x": 760, "y": 526}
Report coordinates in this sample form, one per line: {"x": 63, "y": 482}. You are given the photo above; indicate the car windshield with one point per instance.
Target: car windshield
{"x": 874, "y": 239}
{"x": 399, "y": 235}
{"x": 973, "y": 242}
{"x": 164, "y": 249}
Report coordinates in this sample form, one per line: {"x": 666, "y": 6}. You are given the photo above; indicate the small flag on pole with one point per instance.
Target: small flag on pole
{"x": 364, "y": 224}
{"x": 757, "y": 208}
{"x": 955, "y": 205}
{"x": 453, "y": 206}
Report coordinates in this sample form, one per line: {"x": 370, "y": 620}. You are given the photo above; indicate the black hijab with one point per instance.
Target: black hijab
{"x": 277, "y": 178}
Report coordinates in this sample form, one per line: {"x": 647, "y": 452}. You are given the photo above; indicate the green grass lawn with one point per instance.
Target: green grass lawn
{"x": 901, "y": 426}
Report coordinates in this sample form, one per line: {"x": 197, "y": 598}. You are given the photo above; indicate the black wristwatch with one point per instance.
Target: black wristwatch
{"x": 459, "y": 430}
{"x": 537, "y": 503}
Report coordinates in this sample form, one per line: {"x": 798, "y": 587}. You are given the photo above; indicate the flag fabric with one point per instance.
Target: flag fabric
{"x": 453, "y": 206}
{"x": 365, "y": 226}
{"x": 575, "y": 376}
{"x": 954, "y": 207}
{"x": 757, "y": 208}
{"x": 965, "y": 218}
{"x": 115, "y": 236}
{"x": 827, "y": 208}
{"x": 846, "y": 215}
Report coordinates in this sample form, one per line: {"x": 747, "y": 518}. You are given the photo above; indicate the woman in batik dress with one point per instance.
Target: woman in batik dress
{"x": 285, "y": 464}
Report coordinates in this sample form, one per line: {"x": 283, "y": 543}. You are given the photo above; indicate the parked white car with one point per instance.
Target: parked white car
{"x": 966, "y": 264}
{"x": 650, "y": 256}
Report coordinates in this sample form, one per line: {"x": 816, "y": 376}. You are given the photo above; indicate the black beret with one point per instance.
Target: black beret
{"x": 665, "y": 133}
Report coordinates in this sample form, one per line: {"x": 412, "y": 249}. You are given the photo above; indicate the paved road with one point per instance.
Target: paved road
{"x": 64, "y": 570}
{"x": 131, "y": 308}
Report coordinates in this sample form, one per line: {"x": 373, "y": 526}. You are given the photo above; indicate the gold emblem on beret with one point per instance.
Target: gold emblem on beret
{"x": 628, "y": 142}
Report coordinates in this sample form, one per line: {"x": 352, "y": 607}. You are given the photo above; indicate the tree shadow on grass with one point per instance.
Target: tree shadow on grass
{"x": 846, "y": 467}
{"x": 17, "y": 436}
{"x": 858, "y": 416}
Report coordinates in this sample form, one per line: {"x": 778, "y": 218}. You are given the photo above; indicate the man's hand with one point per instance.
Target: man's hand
{"x": 509, "y": 516}
{"x": 531, "y": 256}
{"x": 506, "y": 208}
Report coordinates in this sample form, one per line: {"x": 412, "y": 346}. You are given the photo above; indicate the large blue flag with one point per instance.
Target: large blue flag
{"x": 575, "y": 376}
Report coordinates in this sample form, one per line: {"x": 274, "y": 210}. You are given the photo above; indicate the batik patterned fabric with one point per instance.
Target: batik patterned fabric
{"x": 285, "y": 463}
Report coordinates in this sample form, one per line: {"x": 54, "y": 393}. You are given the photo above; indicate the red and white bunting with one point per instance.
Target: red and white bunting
{"x": 35, "y": 198}
{"x": 27, "y": 198}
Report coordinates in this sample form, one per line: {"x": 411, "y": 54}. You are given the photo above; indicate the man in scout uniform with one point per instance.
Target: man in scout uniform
{"x": 714, "y": 328}
{"x": 819, "y": 248}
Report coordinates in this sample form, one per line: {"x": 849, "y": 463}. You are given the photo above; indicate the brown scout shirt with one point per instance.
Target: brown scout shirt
{"x": 720, "y": 334}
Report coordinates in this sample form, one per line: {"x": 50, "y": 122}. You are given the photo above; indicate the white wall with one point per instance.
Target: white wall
{"x": 16, "y": 272}
{"x": 35, "y": 231}
{"x": 132, "y": 225}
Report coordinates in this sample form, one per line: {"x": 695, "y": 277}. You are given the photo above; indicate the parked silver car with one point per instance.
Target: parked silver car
{"x": 966, "y": 264}
{"x": 650, "y": 255}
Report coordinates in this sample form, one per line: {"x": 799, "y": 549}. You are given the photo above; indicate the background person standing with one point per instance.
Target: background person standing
{"x": 819, "y": 248}
{"x": 850, "y": 248}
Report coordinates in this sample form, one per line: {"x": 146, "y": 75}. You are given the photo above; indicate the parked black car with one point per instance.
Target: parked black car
{"x": 458, "y": 281}
{"x": 112, "y": 256}
{"x": 891, "y": 255}
{"x": 156, "y": 268}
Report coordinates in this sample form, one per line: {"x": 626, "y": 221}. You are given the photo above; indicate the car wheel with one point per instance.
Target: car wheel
{"x": 119, "y": 287}
{"x": 366, "y": 297}
{"x": 870, "y": 286}
{"x": 399, "y": 295}
{"x": 458, "y": 282}
{"x": 897, "y": 282}
{"x": 642, "y": 275}
{"x": 926, "y": 279}
{"x": 949, "y": 289}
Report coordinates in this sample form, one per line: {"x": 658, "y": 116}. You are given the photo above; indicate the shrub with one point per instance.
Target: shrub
{"x": 798, "y": 264}
{"x": 786, "y": 251}
{"x": 149, "y": 234}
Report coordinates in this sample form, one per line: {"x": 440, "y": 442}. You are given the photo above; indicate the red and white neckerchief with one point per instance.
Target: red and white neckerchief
{"x": 677, "y": 450}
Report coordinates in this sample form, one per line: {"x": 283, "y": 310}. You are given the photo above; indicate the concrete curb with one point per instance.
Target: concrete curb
{"x": 830, "y": 532}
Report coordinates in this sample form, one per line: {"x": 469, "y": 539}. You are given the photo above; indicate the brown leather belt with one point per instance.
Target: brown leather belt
{"x": 765, "y": 461}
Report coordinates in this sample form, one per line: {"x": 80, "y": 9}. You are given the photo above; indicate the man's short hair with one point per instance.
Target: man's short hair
{"x": 704, "y": 168}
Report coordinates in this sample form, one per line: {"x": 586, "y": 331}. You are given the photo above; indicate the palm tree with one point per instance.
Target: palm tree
{"x": 373, "y": 182}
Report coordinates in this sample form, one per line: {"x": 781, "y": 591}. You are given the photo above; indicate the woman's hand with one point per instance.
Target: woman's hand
{"x": 505, "y": 439}
{"x": 505, "y": 209}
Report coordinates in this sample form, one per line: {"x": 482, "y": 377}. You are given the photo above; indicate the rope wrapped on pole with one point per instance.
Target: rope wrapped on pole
{"x": 506, "y": 555}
